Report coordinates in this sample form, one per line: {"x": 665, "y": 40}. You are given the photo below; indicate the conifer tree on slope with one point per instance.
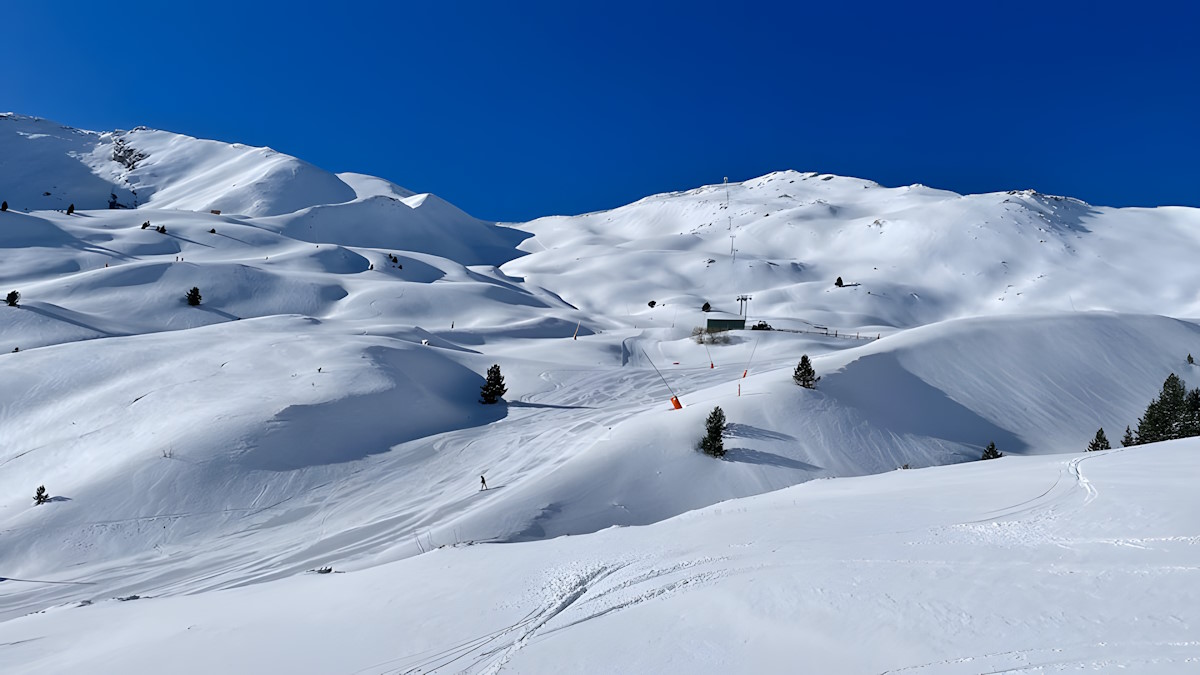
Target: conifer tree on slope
{"x": 1165, "y": 417}
{"x": 990, "y": 452}
{"x": 804, "y": 375}
{"x": 1100, "y": 442}
{"x": 493, "y": 388}
{"x": 1127, "y": 439}
{"x": 1191, "y": 413}
{"x": 713, "y": 442}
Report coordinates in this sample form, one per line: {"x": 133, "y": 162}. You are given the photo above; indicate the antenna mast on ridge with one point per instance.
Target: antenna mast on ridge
{"x": 729, "y": 215}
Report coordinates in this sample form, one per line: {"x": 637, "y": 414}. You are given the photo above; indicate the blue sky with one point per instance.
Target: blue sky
{"x": 514, "y": 110}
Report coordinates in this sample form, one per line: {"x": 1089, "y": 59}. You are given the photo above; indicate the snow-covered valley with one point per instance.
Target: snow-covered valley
{"x": 320, "y": 408}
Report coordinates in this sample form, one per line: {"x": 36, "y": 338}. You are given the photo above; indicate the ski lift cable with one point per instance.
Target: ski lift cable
{"x": 660, "y": 375}
{"x": 751, "y": 355}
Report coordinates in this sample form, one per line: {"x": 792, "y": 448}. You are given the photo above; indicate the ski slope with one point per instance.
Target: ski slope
{"x": 320, "y": 408}
{"x": 1040, "y": 564}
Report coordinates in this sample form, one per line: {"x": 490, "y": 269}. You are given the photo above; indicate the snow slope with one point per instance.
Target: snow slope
{"x": 155, "y": 168}
{"x": 909, "y": 255}
{"x": 1024, "y": 565}
{"x": 320, "y": 405}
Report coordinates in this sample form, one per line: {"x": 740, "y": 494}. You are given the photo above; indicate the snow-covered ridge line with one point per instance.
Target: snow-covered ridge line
{"x": 320, "y": 408}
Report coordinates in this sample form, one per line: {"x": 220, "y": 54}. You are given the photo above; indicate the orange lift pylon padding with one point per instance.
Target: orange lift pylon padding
{"x": 675, "y": 403}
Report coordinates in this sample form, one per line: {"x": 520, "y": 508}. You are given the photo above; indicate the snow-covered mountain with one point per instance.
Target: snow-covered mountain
{"x": 319, "y": 407}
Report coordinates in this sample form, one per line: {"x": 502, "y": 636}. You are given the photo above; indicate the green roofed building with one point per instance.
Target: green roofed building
{"x": 725, "y": 324}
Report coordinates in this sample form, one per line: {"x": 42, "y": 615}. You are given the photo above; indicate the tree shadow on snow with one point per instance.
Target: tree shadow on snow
{"x": 190, "y": 241}
{"x": 222, "y": 234}
{"x": 734, "y": 430}
{"x": 527, "y": 404}
{"x": 218, "y": 312}
{"x": 65, "y": 318}
{"x": 748, "y": 456}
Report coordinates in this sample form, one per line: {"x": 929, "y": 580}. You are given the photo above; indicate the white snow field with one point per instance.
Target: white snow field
{"x": 319, "y": 408}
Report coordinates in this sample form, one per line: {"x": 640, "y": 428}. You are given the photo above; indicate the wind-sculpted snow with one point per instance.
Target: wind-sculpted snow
{"x": 421, "y": 224}
{"x": 171, "y": 171}
{"x": 908, "y": 256}
{"x": 320, "y": 407}
{"x": 1017, "y": 565}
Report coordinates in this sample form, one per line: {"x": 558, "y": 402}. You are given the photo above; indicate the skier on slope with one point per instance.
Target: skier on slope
{"x": 482, "y": 483}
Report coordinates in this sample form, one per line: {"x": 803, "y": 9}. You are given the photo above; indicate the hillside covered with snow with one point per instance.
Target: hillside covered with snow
{"x": 320, "y": 407}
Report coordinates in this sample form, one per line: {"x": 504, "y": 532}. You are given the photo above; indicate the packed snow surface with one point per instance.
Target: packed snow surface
{"x": 319, "y": 408}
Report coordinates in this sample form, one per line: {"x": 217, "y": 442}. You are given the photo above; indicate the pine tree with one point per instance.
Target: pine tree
{"x": 1190, "y": 360}
{"x": 804, "y": 375}
{"x": 193, "y": 296}
{"x": 71, "y": 210}
{"x": 13, "y": 298}
{"x": 713, "y": 442}
{"x": 1127, "y": 440}
{"x": 1166, "y": 416}
{"x": 493, "y": 388}
{"x": 838, "y": 283}
{"x": 4, "y": 207}
{"x": 990, "y": 452}
{"x": 1191, "y": 414}
{"x": 1100, "y": 442}
{"x": 40, "y": 497}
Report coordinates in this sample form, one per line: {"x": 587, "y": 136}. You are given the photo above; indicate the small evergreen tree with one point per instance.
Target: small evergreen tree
{"x": 40, "y": 497}
{"x": 1127, "y": 439}
{"x": 193, "y": 296}
{"x": 990, "y": 452}
{"x": 145, "y": 224}
{"x": 71, "y": 210}
{"x": 1191, "y": 414}
{"x": 493, "y": 388}
{"x": 651, "y": 304}
{"x": 713, "y": 442}
{"x": 4, "y": 207}
{"x": 13, "y": 298}
{"x": 838, "y": 283}
{"x": 1100, "y": 442}
{"x": 1191, "y": 361}
{"x": 1166, "y": 417}
{"x": 705, "y": 307}
{"x": 804, "y": 375}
